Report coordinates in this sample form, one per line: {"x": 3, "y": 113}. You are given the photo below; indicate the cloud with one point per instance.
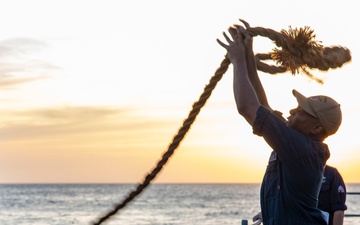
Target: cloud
{"x": 10, "y": 82}
{"x": 20, "y": 64}
{"x": 78, "y": 120}
{"x": 15, "y": 47}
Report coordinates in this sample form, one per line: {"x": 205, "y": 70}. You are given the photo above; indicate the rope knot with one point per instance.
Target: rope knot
{"x": 298, "y": 51}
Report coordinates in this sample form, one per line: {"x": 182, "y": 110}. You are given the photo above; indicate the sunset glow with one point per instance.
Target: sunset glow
{"x": 94, "y": 91}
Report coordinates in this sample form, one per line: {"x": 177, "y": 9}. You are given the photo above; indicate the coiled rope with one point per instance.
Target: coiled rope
{"x": 298, "y": 52}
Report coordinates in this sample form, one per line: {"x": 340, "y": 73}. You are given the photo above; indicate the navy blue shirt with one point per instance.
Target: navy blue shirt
{"x": 292, "y": 181}
{"x": 332, "y": 195}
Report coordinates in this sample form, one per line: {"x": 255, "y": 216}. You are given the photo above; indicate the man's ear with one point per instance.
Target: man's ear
{"x": 317, "y": 129}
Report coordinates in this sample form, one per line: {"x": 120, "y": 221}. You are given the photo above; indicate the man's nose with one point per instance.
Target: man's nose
{"x": 292, "y": 112}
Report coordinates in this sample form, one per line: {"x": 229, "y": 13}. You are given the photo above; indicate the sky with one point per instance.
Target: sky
{"x": 94, "y": 91}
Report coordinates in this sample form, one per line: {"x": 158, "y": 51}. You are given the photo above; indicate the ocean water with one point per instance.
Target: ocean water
{"x": 158, "y": 204}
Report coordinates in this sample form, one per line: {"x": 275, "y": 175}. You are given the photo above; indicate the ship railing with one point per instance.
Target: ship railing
{"x": 258, "y": 222}
{"x": 351, "y": 214}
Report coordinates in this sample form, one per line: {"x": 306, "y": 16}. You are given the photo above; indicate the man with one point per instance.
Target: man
{"x": 292, "y": 180}
{"x": 332, "y": 195}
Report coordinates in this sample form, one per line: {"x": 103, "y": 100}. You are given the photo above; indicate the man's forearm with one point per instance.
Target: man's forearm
{"x": 245, "y": 96}
{"x": 338, "y": 218}
{"x": 254, "y": 78}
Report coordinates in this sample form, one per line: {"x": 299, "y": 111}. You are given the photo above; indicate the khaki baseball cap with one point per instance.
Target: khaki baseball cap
{"x": 324, "y": 108}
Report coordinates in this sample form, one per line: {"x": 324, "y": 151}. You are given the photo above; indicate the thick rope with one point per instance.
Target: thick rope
{"x": 299, "y": 52}
{"x": 176, "y": 140}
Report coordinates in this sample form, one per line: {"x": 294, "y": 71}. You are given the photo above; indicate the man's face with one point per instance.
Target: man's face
{"x": 301, "y": 121}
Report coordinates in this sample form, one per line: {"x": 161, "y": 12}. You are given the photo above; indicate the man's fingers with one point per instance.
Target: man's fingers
{"x": 246, "y": 24}
{"x": 245, "y": 36}
{"x": 227, "y": 38}
{"x": 221, "y": 43}
{"x": 243, "y": 32}
{"x": 238, "y": 33}
{"x": 232, "y": 31}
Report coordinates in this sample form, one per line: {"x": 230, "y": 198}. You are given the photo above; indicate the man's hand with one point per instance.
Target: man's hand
{"x": 257, "y": 217}
{"x": 236, "y": 47}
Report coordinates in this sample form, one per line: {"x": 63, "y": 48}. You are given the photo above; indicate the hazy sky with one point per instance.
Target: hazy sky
{"x": 94, "y": 91}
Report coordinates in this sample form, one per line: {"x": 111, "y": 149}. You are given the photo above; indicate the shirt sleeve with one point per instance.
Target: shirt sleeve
{"x": 338, "y": 192}
{"x": 297, "y": 152}
{"x": 283, "y": 140}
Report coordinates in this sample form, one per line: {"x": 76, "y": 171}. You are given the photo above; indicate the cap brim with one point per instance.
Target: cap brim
{"x": 303, "y": 102}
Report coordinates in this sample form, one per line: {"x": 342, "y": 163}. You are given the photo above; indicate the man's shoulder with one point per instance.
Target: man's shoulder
{"x": 331, "y": 170}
